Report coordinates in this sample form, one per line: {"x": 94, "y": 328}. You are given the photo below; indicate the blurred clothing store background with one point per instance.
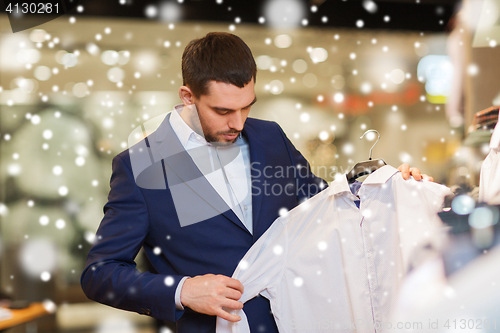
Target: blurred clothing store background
{"x": 73, "y": 89}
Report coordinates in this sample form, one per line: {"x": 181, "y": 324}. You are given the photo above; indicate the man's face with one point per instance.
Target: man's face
{"x": 224, "y": 110}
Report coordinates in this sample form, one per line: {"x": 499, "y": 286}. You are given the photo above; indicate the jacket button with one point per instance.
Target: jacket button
{"x": 147, "y": 312}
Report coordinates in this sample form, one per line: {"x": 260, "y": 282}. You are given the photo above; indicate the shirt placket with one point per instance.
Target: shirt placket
{"x": 235, "y": 204}
{"x": 369, "y": 254}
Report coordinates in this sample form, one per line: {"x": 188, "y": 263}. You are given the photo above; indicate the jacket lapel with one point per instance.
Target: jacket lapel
{"x": 165, "y": 145}
{"x": 257, "y": 162}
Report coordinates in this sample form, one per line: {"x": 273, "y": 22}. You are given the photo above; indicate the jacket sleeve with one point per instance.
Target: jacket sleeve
{"x": 110, "y": 276}
{"x": 309, "y": 184}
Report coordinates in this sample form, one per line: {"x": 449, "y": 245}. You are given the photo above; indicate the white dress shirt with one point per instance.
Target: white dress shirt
{"x": 232, "y": 181}
{"x": 236, "y": 191}
{"x": 489, "y": 180}
{"x": 328, "y": 266}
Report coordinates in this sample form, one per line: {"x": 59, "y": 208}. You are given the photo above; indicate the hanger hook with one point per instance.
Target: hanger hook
{"x": 361, "y": 137}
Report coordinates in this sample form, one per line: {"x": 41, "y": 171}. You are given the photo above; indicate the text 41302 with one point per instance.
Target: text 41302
{"x": 33, "y": 8}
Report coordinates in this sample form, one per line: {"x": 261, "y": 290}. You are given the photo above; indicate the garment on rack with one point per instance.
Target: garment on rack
{"x": 433, "y": 279}
{"x": 489, "y": 179}
{"x": 486, "y": 119}
{"x": 330, "y": 266}
{"x": 465, "y": 242}
{"x": 467, "y": 301}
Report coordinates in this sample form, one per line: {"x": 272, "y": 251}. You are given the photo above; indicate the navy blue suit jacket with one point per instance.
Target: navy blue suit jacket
{"x": 144, "y": 216}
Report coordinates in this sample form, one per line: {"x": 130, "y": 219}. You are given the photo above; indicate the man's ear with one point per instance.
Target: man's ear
{"x": 186, "y": 95}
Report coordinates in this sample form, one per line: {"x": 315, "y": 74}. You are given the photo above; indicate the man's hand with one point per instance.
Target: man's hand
{"x": 406, "y": 171}
{"x": 209, "y": 293}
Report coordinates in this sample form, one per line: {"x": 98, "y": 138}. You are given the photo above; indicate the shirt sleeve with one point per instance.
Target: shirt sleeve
{"x": 489, "y": 179}
{"x": 435, "y": 194}
{"x": 178, "y": 303}
{"x": 422, "y": 227}
{"x": 259, "y": 271}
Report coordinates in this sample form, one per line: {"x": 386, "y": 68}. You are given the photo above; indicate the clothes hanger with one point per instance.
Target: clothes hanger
{"x": 365, "y": 167}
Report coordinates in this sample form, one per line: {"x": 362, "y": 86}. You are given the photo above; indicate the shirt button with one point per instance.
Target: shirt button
{"x": 369, "y": 255}
{"x": 245, "y": 207}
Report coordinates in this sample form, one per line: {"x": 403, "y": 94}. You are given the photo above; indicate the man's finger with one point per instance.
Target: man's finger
{"x": 231, "y": 304}
{"x": 405, "y": 170}
{"x": 232, "y": 294}
{"x": 233, "y": 283}
{"x": 227, "y": 316}
{"x": 426, "y": 177}
{"x": 415, "y": 172}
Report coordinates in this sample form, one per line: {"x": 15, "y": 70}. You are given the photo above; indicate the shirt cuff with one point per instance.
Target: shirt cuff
{"x": 178, "y": 304}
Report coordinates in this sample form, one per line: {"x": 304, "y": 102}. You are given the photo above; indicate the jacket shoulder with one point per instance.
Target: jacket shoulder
{"x": 144, "y": 142}
{"x": 261, "y": 122}
{"x": 263, "y": 127}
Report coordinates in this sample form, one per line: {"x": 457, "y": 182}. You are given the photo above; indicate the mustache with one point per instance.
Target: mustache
{"x": 230, "y": 133}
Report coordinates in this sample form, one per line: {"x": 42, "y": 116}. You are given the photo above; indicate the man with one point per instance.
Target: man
{"x": 208, "y": 206}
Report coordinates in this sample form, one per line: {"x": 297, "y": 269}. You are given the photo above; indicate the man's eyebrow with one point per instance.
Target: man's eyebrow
{"x": 217, "y": 108}
{"x": 253, "y": 102}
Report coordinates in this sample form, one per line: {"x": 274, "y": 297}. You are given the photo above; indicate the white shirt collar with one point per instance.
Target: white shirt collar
{"x": 183, "y": 131}
{"x": 381, "y": 176}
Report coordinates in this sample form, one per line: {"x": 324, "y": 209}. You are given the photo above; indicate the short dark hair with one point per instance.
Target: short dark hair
{"x": 219, "y": 56}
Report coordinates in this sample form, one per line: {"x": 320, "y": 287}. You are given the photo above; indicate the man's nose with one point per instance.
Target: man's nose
{"x": 236, "y": 121}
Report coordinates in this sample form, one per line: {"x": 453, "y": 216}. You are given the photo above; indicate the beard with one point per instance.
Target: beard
{"x": 215, "y": 138}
